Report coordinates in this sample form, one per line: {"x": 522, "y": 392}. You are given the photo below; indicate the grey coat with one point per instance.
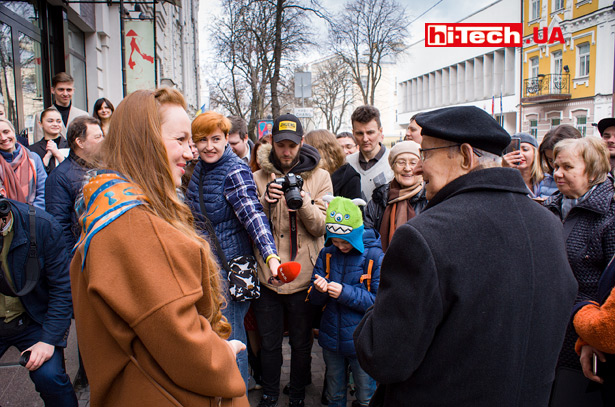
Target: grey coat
{"x": 475, "y": 295}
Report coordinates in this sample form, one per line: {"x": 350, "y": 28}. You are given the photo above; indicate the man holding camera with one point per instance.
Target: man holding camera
{"x": 291, "y": 186}
{"x": 35, "y": 298}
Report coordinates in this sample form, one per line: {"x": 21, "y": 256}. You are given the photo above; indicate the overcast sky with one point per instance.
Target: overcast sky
{"x": 443, "y": 11}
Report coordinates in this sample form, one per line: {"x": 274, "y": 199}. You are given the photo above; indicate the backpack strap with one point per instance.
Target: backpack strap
{"x": 368, "y": 275}
{"x": 328, "y": 266}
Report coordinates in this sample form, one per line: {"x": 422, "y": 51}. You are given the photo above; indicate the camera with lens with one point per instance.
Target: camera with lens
{"x": 291, "y": 186}
{"x": 5, "y": 207}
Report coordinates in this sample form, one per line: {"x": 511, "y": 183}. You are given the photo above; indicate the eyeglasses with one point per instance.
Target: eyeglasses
{"x": 401, "y": 164}
{"x": 422, "y": 150}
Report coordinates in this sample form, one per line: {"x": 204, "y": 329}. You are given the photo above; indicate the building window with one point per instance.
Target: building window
{"x": 534, "y": 128}
{"x": 533, "y": 67}
{"x": 534, "y": 9}
{"x": 75, "y": 43}
{"x": 31, "y": 79}
{"x": 583, "y": 52}
{"x": 555, "y": 122}
{"x": 582, "y": 124}
{"x": 558, "y": 5}
{"x": 557, "y": 62}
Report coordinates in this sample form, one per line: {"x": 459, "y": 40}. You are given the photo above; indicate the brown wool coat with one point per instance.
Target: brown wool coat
{"x": 142, "y": 292}
{"x": 310, "y": 222}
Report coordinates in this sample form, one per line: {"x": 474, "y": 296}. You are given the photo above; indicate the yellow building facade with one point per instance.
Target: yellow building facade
{"x": 568, "y": 80}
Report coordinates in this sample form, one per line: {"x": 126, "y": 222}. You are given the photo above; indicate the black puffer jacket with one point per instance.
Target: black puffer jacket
{"x": 378, "y": 203}
{"x": 589, "y": 230}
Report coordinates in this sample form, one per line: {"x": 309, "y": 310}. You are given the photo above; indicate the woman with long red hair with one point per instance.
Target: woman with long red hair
{"x": 146, "y": 290}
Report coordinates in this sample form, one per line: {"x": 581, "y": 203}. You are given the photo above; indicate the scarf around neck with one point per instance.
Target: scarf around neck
{"x": 18, "y": 174}
{"x": 398, "y": 210}
{"x": 106, "y": 196}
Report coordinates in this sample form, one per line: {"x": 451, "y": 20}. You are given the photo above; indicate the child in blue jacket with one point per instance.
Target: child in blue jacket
{"x": 345, "y": 281}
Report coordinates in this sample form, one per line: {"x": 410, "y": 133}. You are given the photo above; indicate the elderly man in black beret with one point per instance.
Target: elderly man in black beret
{"x": 476, "y": 291}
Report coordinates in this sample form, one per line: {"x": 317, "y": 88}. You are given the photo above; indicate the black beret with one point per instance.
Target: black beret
{"x": 465, "y": 124}
{"x": 605, "y": 124}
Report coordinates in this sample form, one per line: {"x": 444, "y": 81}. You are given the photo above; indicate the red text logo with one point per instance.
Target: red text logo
{"x": 486, "y": 35}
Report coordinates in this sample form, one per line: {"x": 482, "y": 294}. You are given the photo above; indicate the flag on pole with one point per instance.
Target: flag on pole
{"x": 501, "y": 110}
{"x": 493, "y": 106}
{"x": 203, "y": 109}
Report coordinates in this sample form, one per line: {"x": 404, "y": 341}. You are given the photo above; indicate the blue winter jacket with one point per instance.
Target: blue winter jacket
{"x": 342, "y": 315}
{"x": 232, "y": 205}
{"x": 63, "y": 185}
{"x": 49, "y": 303}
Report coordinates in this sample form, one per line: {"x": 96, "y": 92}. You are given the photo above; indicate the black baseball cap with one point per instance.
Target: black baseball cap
{"x": 605, "y": 124}
{"x": 287, "y": 127}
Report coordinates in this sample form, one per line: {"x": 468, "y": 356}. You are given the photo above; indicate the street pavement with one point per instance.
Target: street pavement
{"x": 17, "y": 390}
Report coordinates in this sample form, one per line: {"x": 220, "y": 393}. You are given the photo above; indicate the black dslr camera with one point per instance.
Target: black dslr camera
{"x": 291, "y": 186}
{"x": 5, "y": 207}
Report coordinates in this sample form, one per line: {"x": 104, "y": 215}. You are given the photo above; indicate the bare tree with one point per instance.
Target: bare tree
{"x": 364, "y": 35}
{"x": 332, "y": 93}
{"x": 242, "y": 41}
{"x": 290, "y": 36}
{"x": 255, "y": 40}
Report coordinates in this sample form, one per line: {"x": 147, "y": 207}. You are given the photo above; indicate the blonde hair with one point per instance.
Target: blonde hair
{"x": 9, "y": 124}
{"x": 134, "y": 147}
{"x": 594, "y": 153}
{"x": 332, "y": 155}
{"x": 536, "y": 174}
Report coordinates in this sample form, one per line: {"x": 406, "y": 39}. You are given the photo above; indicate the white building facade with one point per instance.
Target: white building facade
{"x": 40, "y": 38}
{"x": 488, "y": 78}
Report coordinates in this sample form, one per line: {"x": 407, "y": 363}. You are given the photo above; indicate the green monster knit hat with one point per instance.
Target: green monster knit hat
{"x": 344, "y": 220}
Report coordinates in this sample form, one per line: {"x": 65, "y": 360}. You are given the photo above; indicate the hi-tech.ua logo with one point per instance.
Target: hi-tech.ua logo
{"x": 486, "y": 35}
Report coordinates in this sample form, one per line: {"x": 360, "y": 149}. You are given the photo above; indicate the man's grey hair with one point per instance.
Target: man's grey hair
{"x": 487, "y": 160}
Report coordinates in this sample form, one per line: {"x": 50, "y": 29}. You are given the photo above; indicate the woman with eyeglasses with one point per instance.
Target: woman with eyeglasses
{"x": 395, "y": 203}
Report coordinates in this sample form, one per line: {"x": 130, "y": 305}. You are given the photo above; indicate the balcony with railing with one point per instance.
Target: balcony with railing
{"x": 546, "y": 88}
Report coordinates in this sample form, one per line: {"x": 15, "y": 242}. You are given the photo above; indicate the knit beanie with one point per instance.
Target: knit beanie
{"x": 526, "y": 138}
{"x": 345, "y": 221}
{"x": 408, "y": 146}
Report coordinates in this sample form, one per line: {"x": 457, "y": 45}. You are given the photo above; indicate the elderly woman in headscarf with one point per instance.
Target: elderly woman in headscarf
{"x": 400, "y": 200}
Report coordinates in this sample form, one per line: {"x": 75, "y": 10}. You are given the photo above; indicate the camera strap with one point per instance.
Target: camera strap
{"x": 32, "y": 268}
{"x": 292, "y": 217}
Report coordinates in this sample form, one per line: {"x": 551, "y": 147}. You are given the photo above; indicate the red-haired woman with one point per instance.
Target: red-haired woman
{"x": 223, "y": 183}
{"x": 145, "y": 286}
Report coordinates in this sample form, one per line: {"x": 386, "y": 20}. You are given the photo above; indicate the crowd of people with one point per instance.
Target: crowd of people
{"x": 459, "y": 267}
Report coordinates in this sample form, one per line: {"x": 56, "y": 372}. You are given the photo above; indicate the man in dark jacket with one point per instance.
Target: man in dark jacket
{"x": 475, "y": 292}
{"x": 36, "y": 322}
{"x": 66, "y": 181}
